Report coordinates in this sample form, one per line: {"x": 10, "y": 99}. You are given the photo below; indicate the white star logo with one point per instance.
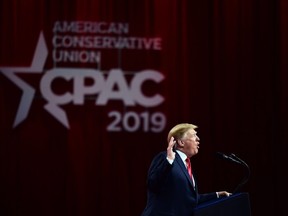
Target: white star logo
{"x": 37, "y": 66}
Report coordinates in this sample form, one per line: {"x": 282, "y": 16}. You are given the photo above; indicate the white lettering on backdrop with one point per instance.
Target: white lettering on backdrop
{"x": 81, "y": 48}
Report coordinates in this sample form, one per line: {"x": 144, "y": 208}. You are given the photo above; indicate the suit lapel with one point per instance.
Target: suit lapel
{"x": 183, "y": 168}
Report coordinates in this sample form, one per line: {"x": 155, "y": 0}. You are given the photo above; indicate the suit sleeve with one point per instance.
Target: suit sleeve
{"x": 158, "y": 171}
{"x": 206, "y": 197}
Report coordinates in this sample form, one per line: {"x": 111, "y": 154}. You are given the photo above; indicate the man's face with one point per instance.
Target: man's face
{"x": 191, "y": 143}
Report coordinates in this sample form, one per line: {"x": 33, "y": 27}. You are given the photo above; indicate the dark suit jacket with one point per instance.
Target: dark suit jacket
{"x": 170, "y": 189}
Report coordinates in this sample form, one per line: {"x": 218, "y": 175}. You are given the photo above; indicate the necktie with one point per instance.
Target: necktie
{"x": 188, "y": 164}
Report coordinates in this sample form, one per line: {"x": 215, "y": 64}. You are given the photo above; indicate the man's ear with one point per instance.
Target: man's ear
{"x": 180, "y": 143}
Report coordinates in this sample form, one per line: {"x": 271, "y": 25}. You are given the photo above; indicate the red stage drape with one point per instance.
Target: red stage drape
{"x": 90, "y": 123}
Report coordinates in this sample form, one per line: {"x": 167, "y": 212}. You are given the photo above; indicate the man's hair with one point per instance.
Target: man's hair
{"x": 180, "y": 130}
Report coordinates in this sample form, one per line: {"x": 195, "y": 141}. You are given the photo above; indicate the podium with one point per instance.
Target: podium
{"x": 235, "y": 205}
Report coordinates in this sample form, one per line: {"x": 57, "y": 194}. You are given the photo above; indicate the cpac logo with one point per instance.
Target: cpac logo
{"x": 131, "y": 95}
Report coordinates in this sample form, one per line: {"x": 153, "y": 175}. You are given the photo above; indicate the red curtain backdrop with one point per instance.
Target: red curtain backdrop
{"x": 86, "y": 149}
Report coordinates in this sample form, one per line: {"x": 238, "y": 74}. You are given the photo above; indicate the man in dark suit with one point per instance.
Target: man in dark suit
{"x": 171, "y": 191}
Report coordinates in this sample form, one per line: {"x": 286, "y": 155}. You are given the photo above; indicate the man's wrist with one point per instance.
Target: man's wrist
{"x": 170, "y": 160}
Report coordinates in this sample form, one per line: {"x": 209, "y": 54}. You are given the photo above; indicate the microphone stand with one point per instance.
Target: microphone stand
{"x": 245, "y": 178}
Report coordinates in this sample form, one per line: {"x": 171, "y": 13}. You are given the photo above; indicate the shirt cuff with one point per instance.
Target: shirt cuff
{"x": 169, "y": 160}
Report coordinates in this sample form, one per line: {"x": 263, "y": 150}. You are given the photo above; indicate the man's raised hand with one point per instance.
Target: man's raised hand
{"x": 170, "y": 152}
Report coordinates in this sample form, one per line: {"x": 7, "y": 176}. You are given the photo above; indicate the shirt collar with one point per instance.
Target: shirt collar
{"x": 182, "y": 155}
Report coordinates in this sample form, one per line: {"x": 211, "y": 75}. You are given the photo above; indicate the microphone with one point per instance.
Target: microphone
{"x": 228, "y": 157}
{"x": 239, "y": 159}
{"x": 232, "y": 157}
